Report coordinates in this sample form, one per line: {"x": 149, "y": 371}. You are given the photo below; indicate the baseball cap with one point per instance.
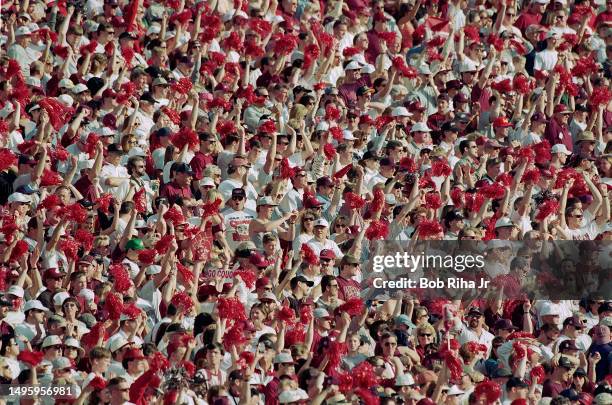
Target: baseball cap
{"x": 134, "y": 244}
{"x": 52, "y": 340}
{"x": 561, "y": 109}
{"x": 133, "y": 354}
{"x": 327, "y": 254}
{"x": 404, "y": 380}
{"x": 404, "y": 320}
{"x": 565, "y": 363}
{"x": 353, "y": 65}
{"x": 61, "y": 363}
{"x": 183, "y": 168}
{"x": 19, "y": 198}
{"x": 266, "y": 200}
{"x": 501, "y": 122}
{"x": 400, "y": 112}
{"x": 420, "y": 127}
{"x": 503, "y": 222}
{"x": 34, "y": 304}
{"x": 504, "y": 324}
{"x": 363, "y": 90}
{"x": 568, "y": 345}
{"x": 79, "y": 88}
{"x": 282, "y": 358}
{"x": 539, "y": 117}
{"x": 22, "y": 31}
{"x": 301, "y": 279}
{"x": 258, "y": 260}
{"x": 321, "y": 222}
{"x": 320, "y": 313}
{"x": 238, "y": 192}
{"x": 515, "y": 382}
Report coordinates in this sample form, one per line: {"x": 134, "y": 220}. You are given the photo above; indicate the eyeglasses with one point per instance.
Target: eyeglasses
{"x": 425, "y": 335}
{"x": 327, "y": 261}
{"x": 576, "y": 215}
{"x": 55, "y": 347}
{"x": 237, "y": 198}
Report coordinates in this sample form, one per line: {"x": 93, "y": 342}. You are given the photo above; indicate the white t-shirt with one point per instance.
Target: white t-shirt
{"x": 546, "y": 60}
{"x": 327, "y": 244}
{"x": 237, "y": 226}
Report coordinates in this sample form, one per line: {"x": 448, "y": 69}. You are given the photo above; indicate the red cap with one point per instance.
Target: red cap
{"x": 258, "y": 260}
{"x": 365, "y": 119}
{"x": 262, "y": 282}
{"x": 133, "y": 354}
{"x": 416, "y": 106}
{"x": 312, "y": 202}
{"x": 501, "y": 122}
{"x": 327, "y": 254}
{"x": 481, "y": 140}
{"x": 380, "y": 16}
{"x": 561, "y": 109}
{"x": 53, "y": 273}
{"x": 109, "y": 93}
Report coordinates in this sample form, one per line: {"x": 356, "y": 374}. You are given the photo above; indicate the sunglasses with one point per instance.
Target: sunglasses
{"x": 308, "y": 219}
{"x": 425, "y": 335}
{"x": 237, "y": 198}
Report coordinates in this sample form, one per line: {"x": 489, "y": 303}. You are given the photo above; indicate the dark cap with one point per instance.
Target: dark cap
{"x": 460, "y": 98}
{"x": 575, "y": 322}
{"x": 474, "y": 311}
{"x": 148, "y": 97}
{"x": 185, "y": 60}
{"x": 580, "y": 372}
{"x": 238, "y": 192}
{"x": 504, "y": 324}
{"x": 53, "y": 273}
{"x": 453, "y": 84}
{"x": 565, "y": 363}
{"x": 364, "y": 90}
{"x": 114, "y": 148}
{"x": 515, "y": 382}
{"x": 324, "y": 181}
{"x": 5, "y": 303}
{"x": 449, "y": 126}
{"x": 301, "y": 89}
{"x": 205, "y": 136}
{"x": 302, "y": 279}
{"x": 165, "y": 131}
{"x": 453, "y": 216}
{"x": 127, "y": 35}
{"x": 570, "y": 394}
{"x": 183, "y": 168}
{"x": 416, "y": 106}
{"x": 605, "y": 307}
{"x": 568, "y": 345}
{"x": 539, "y": 117}
{"x": 369, "y": 155}
{"x": 386, "y": 162}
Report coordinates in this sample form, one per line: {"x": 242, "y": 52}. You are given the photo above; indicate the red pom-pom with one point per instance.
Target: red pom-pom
{"x": 147, "y": 256}
{"x": 382, "y": 120}
{"x": 104, "y": 202}
{"x": 234, "y": 337}
{"x": 407, "y": 71}
{"x": 505, "y": 179}
{"x": 428, "y": 228}
{"x": 89, "y": 48}
{"x": 109, "y": 48}
{"x": 364, "y": 375}
{"x": 377, "y": 230}
{"x": 4, "y": 128}
{"x": 454, "y": 365}
{"x": 70, "y": 247}
{"x": 457, "y": 197}
{"x": 336, "y": 133}
{"x": 477, "y": 347}
{"x": 332, "y": 113}
{"x": 329, "y": 151}
{"x": 211, "y": 208}
{"x": 30, "y": 357}
{"x": 504, "y": 86}
{"x": 496, "y": 41}
{"x": 185, "y": 136}
{"x": 600, "y": 96}
{"x": 183, "y": 17}
{"x": 286, "y": 171}
{"x": 7, "y": 159}
{"x": 85, "y": 239}
{"x": 354, "y": 201}
{"x": 537, "y": 374}
{"x": 267, "y": 127}
{"x": 585, "y": 66}
{"x": 353, "y": 307}
{"x": 408, "y": 164}
{"x": 163, "y": 244}
{"x": 113, "y": 305}
{"x": 26, "y": 146}
{"x": 285, "y": 44}
{"x": 494, "y": 191}
{"x": 286, "y": 315}
{"x": 252, "y": 49}
{"x": 59, "y": 114}
{"x": 379, "y": 200}
{"x": 309, "y": 255}
{"x": 182, "y": 86}
{"x": 260, "y": 26}
{"x": 60, "y": 153}
{"x": 74, "y": 213}
{"x": 388, "y": 37}
{"x": 128, "y": 56}
{"x": 489, "y": 391}
{"x": 225, "y": 128}
{"x": 248, "y": 276}
{"x": 436, "y": 42}
{"x": 440, "y": 168}
{"x": 231, "y": 308}
{"x": 140, "y": 201}
{"x": 311, "y": 53}
{"x": 19, "y": 250}
{"x": 305, "y": 314}
{"x": 472, "y": 32}
{"x": 174, "y": 215}
{"x": 185, "y": 273}
{"x": 342, "y": 172}
{"x": 433, "y": 200}
{"x": 158, "y": 362}
{"x": 519, "y": 335}
{"x": 232, "y": 41}
{"x": 547, "y": 208}
{"x": 97, "y": 383}
{"x": 522, "y": 84}
{"x": 184, "y": 300}
{"x": 172, "y": 115}
{"x": 50, "y": 202}
{"x": 350, "y": 51}
{"x": 131, "y": 311}
{"x": 320, "y": 86}
{"x": 121, "y": 277}
{"x": 531, "y": 176}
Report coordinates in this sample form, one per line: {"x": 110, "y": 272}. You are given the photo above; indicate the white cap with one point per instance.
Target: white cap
{"x": 503, "y": 222}
{"x": 8, "y": 108}
{"x": 548, "y": 308}
{"x": 16, "y": 291}
{"x": 51, "y": 340}
{"x": 65, "y": 99}
{"x": 136, "y": 151}
{"x": 289, "y": 396}
{"x": 353, "y": 65}
{"x": 404, "y": 380}
{"x": 154, "y": 29}
{"x": 23, "y": 30}
{"x": 424, "y": 69}
{"x": 207, "y": 181}
{"x": 467, "y": 66}
{"x": 66, "y": 84}
{"x": 33, "y": 27}
{"x": 34, "y": 304}
{"x": 86, "y": 164}
{"x": 420, "y": 127}
{"x": 319, "y": 313}
{"x": 152, "y": 269}
{"x": 117, "y": 343}
{"x": 106, "y": 131}
{"x": 348, "y": 135}
{"x": 283, "y": 357}
{"x": 322, "y": 126}
{"x": 390, "y": 199}
{"x": 454, "y": 390}
{"x": 368, "y": 69}
{"x": 59, "y": 298}
{"x": 88, "y": 294}
{"x": 541, "y": 1}
{"x": 321, "y": 222}
{"x": 560, "y": 148}
{"x": 400, "y": 112}
{"x": 79, "y": 88}
{"x": 20, "y": 198}
{"x": 551, "y": 34}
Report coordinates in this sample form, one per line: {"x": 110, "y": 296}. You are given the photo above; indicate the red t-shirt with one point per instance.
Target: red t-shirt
{"x": 199, "y": 163}
{"x": 348, "y": 288}
{"x": 173, "y": 191}
{"x": 526, "y": 19}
